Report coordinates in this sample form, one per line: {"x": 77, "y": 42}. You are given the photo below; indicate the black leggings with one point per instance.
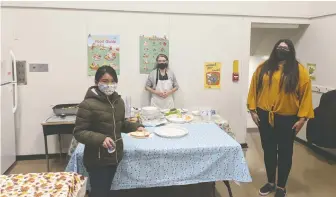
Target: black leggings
{"x": 277, "y": 143}
{"x": 101, "y": 180}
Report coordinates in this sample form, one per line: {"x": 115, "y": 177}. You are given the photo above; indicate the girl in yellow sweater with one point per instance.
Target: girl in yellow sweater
{"x": 280, "y": 102}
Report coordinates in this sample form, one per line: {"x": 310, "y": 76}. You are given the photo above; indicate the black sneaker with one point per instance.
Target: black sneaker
{"x": 280, "y": 193}
{"x": 267, "y": 189}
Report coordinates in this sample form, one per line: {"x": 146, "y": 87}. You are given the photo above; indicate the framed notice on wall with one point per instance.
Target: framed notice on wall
{"x": 103, "y": 50}
{"x": 311, "y": 69}
{"x": 212, "y": 75}
{"x": 150, "y": 48}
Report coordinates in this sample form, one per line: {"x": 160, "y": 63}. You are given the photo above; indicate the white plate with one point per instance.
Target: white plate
{"x": 180, "y": 110}
{"x": 196, "y": 113}
{"x": 150, "y": 108}
{"x": 175, "y": 119}
{"x": 154, "y": 123}
{"x": 171, "y": 131}
{"x": 184, "y": 110}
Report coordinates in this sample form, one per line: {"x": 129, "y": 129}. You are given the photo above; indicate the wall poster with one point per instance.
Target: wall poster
{"x": 150, "y": 48}
{"x": 311, "y": 69}
{"x": 103, "y": 50}
{"x": 212, "y": 75}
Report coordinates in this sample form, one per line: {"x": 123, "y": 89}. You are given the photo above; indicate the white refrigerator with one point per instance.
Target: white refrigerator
{"x": 9, "y": 103}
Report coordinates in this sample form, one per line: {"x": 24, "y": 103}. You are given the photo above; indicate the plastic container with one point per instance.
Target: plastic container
{"x": 65, "y": 109}
{"x": 111, "y": 150}
{"x": 128, "y": 107}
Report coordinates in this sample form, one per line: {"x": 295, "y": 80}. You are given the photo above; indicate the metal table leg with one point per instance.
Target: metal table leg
{"x": 46, "y": 152}
{"x": 227, "y": 183}
{"x": 60, "y": 145}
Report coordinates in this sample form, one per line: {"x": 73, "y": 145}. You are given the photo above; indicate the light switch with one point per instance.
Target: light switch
{"x": 38, "y": 68}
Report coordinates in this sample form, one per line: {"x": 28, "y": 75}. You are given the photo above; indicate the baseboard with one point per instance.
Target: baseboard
{"x": 317, "y": 150}
{"x": 250, "y": 130}
{"x": 10, "y": 168}
{"x": 39, "y": 156}
{"x": 244, "y": 145}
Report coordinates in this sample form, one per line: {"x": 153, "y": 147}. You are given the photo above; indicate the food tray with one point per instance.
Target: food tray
{"x": 154, "y": 123}
{"x": 175, "y": 119}
{"x": 65, "y": 109}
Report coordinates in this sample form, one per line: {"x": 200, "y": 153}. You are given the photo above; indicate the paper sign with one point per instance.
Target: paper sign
{"x": 150, "y": 48}
{"x": 311, "y": 69}
{"x": 212, "y": 73}
{"x": 103, "y": 50}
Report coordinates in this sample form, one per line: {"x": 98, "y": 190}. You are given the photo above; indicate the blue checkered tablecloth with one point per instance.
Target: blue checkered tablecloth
{"x": 206, "y": 154}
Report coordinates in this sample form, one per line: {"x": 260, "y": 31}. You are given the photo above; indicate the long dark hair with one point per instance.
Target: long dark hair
{"x": 290, "y": 76}
{"x": 103, "y": 70}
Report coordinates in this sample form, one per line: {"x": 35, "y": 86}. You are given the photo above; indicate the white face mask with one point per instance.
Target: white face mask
{"x": 107, "y": 89}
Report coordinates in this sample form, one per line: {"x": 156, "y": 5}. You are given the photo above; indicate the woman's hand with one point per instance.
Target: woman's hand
{"x": 298, "y": 125}
{"x": 108, "y": 143}
{"x": 255, "y": 117}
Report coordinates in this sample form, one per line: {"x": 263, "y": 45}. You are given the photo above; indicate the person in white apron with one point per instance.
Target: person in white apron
{"x": 162, "y": 84}
{"x": 163, "y": 101}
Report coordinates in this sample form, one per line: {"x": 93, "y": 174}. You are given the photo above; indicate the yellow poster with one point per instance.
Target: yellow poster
{"x": 212, "y": 72}
{"x": 311, "y": 69}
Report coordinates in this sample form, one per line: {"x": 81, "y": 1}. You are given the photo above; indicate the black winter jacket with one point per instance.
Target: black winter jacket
{"x": 321, "y": 130}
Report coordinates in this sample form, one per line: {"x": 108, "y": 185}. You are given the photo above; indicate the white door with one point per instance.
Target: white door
{"x": 8, "y": 146}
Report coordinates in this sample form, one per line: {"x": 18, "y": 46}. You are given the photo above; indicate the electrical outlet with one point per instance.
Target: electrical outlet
{"x": 38, "y": 68}
{"x": 21, "y": 73}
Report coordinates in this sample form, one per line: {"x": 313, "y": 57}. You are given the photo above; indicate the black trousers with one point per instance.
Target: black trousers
{"x": 277, "y": 143}
{"x": 101, "y": 180}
